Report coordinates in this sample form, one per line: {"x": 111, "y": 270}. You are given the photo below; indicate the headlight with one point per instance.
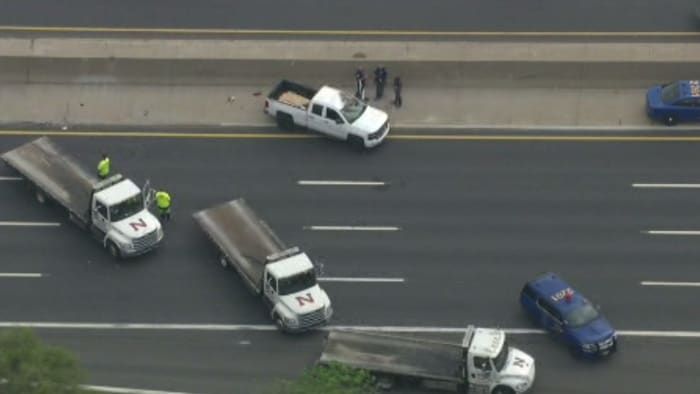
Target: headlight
{"x": 291, "y": 321}
{"x": 589, "y": 347}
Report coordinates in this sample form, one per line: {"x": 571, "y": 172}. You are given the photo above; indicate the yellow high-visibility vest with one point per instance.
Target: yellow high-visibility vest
{"x": 163, "y": 199}
{"x": 103, "y": 167}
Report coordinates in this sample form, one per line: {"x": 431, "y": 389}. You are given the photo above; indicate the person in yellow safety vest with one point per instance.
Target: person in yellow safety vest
{"x": 163, "y": 203}
{"x": 103, "y": 166}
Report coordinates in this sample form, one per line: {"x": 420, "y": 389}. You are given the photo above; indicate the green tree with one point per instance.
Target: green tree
{"x": 28, "y": 366}
{"x": 330, "y": 379}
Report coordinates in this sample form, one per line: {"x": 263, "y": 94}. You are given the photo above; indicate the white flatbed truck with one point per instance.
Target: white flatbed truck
{"x": 285, "y": 278}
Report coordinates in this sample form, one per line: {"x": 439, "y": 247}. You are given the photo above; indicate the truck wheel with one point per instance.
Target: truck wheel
{"x": 356, "y": 142}
{"x": 285, "y": 121}
{"x": 114, "y": 250}
{"x": 503, "y": 390}
{"x": 670, "y": 120}
{"x": 223, "y": 261}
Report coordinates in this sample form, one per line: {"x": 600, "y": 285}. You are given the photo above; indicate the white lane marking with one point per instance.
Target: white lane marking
{"x": 666, "y": 185}
{"x": 30, "y": 224}
{"x": 367, "y": 280}
{"x": 677, "y": 284}
{"x": 352, "y": 228}
{"x": 20, "y": 275}
{"x": 10, "y": 178}
{"x": 271, "y": 327}
{"x": 672, "y": 232}
{"x": 126, "y": 390}
{"x": 341, "y": 183}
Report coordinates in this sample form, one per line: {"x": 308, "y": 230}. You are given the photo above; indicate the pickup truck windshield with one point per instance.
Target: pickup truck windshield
{"x": 352, "y": 107}
{"x": 297, "y": 283}
{"x": 583, "y": 315}
{"x": 129, "y": 207}
{"x": 671, "y": 93}
{"x": 499, "y": 362}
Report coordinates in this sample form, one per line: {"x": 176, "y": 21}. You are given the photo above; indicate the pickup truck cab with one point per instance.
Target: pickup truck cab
{"x": 329, "y": 111}
{"x": 566, "y": 313}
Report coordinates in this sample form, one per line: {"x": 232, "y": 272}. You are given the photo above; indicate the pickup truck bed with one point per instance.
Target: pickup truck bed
{"x": 403, "y": 356}
{"x": 56, "y": 174}
{"x": 292, "y": 94}
{"x": 244, "y": 238}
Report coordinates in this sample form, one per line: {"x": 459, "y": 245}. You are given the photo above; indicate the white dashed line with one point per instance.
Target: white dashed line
{"x": 10, "y": 178}
{"x": 30, "y": 224}
{"x": 20, "y": 275}
{"x": 672, "y": 232}
{"x": 360, "y": 280}
{"x": 670, "y": 284}
{"x": 352, "y": 228}
{"x": 341, "y": 183}
{"x": 126, "y": 390}
{"x": 667, "y": 185}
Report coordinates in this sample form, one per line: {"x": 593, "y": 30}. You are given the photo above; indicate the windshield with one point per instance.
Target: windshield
{"x": 671, "y": 93}
{"x": 583, "y": 315}
{"x": 129, "y": 207}
{"x": 499, "y": 362}
{"x": 297, "y": 283}
{"x": 352, "y": 107}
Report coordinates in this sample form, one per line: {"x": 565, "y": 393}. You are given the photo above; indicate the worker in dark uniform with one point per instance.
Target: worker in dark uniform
{"x": 380, "y": 76}
{"x": 398, "y": 86}
{"x": 360, "y": 83}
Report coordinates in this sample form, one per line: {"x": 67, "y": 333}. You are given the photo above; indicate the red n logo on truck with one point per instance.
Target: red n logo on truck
{"x": 302, "y": 300}
{"x": 136, "y": 225}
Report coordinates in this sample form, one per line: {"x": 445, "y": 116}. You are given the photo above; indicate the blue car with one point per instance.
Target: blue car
{"x": 674, "y": 102}
{"x": 559, "y": 309}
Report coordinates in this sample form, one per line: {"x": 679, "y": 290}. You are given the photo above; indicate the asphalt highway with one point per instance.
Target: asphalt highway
{"x": 365, "y": 15}
{"x": 474, "y": 219}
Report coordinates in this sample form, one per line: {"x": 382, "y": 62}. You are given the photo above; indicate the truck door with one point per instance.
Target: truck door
{"x": 270, "y": 288}
{"x": 315, "y": 119}
{"x": 337, "y": 127}
{"x": 480, "y": 370}
{"x": 100, "y": 216}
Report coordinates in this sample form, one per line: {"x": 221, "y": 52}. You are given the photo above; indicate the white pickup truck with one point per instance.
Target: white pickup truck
{"x": 285, "y": 278}
{"x": 114, "y": 209}
{"x": 329, "y": 111}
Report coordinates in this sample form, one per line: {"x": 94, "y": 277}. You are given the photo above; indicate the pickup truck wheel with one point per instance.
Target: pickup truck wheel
{"x": 285, "y": 121}
{"x": 113, "y": 250}
{"x": 356, "y": 142}
{"x": 503, "y": 390}
{"x": 670, "y": 120}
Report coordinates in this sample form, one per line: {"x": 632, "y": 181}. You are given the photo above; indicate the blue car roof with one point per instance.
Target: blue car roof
{"x": 689, "y": 88}
{"x": 558, "y": 293}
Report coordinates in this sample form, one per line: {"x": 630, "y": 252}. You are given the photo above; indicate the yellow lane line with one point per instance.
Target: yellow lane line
{"x": 206, "y": 31}
{"x": 415, "y": 137}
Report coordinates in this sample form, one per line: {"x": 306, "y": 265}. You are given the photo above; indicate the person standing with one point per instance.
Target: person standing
{"x": 103, "y": 166}
{"x": 360, "y": 82}
{"x": 163, "y": 202}
{"x": 398, "y": 85}
{"x": 379, "y": 80}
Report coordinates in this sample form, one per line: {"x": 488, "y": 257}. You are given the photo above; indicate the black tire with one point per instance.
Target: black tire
{"x": 670, "y": 120}
{"x": 285, "y": 121}
{"x": 356, "y": 142}
{"x": 503, "y": 390}
{"x": 113, "y": 250}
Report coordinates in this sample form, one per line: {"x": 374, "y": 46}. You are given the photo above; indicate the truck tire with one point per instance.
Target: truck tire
{"x": 285, "y": 121}
{"x": 670, "y": 120}
{"x": 356, "y": 142}
{"x": 223, "y": 261}
{"x": 113, "y": 250}
{"x": 503, "y": 390}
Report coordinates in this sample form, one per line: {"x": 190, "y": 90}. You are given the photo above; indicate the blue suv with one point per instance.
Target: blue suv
{"x": 559, "y": 309}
